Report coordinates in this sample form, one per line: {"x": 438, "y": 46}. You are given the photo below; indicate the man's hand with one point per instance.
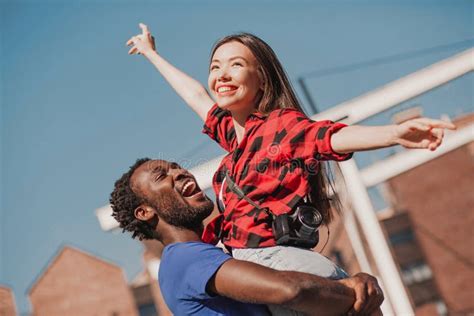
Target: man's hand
{"x": 368, "y": 294}
{"x": 142, "y": 43}
{"x": 421, "y": 133}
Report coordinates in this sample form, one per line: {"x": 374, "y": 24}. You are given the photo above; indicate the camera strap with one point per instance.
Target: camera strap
{"x": 240, "y": 193}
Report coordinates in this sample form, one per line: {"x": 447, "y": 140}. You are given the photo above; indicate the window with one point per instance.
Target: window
{"x": 416, "y": 273}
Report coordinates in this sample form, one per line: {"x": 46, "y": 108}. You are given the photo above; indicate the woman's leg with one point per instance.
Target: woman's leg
{"x": 291, "y": 258}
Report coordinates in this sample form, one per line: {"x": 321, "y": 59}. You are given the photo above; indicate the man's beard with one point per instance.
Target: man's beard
{"x": 179, "y": 214}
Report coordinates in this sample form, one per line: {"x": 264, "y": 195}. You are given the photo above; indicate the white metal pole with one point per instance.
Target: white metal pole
{"x": 394, "y": 165}
{"x": 355, "y": 240}
{"x": 361, "y": 256}
{"x": 400, "y": 90}
{"x": 365, "y": 212}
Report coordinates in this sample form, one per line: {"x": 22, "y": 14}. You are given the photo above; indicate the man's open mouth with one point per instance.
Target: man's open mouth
{"x": 190, "y": 188}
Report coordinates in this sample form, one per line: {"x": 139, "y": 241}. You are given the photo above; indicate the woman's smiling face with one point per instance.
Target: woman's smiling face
{"x": 234, "y": 78}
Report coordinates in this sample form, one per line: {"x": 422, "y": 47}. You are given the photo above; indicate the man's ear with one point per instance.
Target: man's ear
{"x": 144, "y": 213}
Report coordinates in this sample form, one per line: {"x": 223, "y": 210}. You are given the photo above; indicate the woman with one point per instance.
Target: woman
{"x": 275, "y": 151}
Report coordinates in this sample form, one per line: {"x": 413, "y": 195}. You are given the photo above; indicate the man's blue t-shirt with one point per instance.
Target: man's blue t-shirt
{"x": 185, "y": 270}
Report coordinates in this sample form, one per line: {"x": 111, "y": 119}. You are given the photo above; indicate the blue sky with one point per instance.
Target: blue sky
{"x": 76, "y": 110}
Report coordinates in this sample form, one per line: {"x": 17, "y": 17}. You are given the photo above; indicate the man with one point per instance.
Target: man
{"x": 159, "y": 200}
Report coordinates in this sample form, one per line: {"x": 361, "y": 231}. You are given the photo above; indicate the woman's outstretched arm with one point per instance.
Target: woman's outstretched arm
{"x": 415, "y": 133}
{"x": 188, "y": 88}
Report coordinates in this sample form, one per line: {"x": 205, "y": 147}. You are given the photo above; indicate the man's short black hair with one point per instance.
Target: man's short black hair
{"x": 124, "y": 202}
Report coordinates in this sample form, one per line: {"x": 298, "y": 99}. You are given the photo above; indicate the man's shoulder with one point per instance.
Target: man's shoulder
{"x": 186, "y": 268}
{"x": 188, "y": 254}
{"x": 191, "y": 247}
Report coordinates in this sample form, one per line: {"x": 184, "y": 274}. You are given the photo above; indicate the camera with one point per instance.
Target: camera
{"x": 299, "y": 228}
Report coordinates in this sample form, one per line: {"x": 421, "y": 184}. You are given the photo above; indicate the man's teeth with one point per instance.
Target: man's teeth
{"x": 224, "y": 89}
{"x": 186, "y": 187}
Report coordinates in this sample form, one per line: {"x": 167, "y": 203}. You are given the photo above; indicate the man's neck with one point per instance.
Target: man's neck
{"x": 175, "y": 234}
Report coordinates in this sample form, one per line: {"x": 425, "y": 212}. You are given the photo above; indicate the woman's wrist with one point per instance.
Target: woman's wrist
{"x": 149, "y": 53}
{"x": 394, "y": 138}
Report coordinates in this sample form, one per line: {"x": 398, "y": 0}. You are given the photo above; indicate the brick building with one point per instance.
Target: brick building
{"x": 437, "y": 198}
{"x": 7, "y": 302}
{"x": 147, "y": 291}
{"x": 77, "y": 283}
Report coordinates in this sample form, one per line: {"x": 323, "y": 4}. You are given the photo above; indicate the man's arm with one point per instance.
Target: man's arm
{"x": 415, "y": 133}
{"x": 250, "y": 282}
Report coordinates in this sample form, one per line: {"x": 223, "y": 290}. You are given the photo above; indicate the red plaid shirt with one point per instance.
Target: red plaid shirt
{"x": 270, "y": 164}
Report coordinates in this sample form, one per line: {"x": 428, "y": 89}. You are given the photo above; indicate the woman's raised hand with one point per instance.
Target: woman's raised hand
{"x": 188, "y": 88}
{"x": 142, "y": 43}
{"x": 422, "y": 133}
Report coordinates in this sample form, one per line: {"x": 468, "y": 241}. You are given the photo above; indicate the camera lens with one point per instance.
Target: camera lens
{"x": 310, "y": 217}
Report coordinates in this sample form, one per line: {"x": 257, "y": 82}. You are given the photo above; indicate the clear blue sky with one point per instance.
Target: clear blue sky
{"x": 76, "y": 110}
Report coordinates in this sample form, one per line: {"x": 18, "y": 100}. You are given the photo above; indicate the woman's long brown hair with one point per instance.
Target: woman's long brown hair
{"x": 279, "y": 94}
